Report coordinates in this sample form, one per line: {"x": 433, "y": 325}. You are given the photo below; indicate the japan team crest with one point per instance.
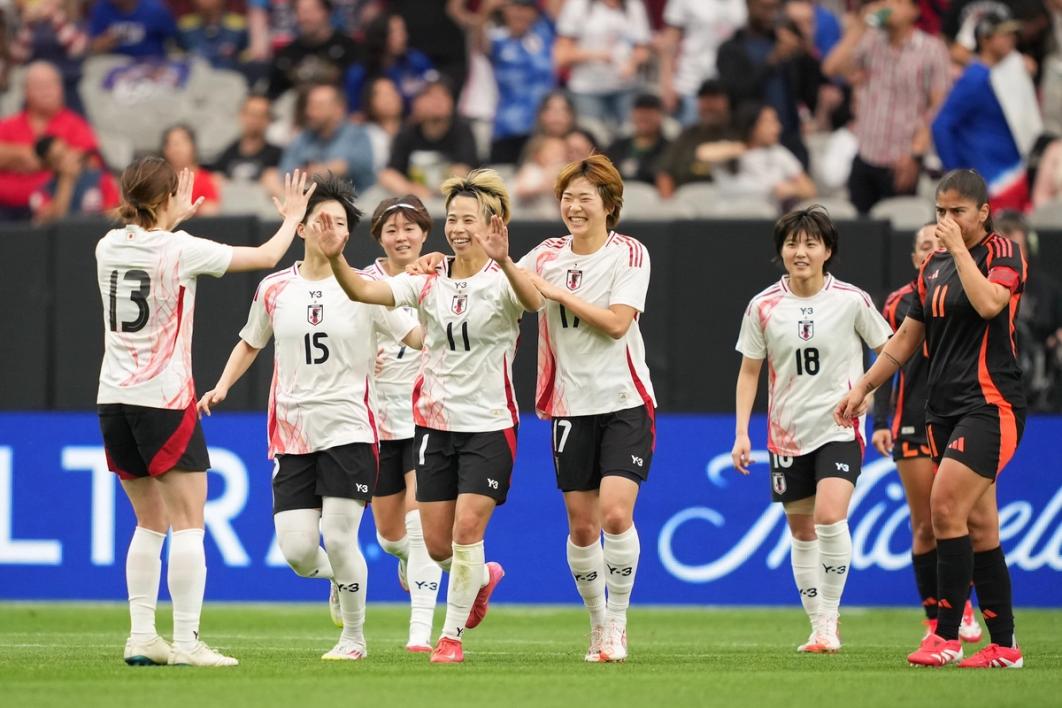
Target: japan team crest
{"x": 778, "y": 482}
{"x": 459, "y": 304}
{"x": 315, "y": 314}
{"x": 806, "y": 329}
{"x": 574, "y": 279}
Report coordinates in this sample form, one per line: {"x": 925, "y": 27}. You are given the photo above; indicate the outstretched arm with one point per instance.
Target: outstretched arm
{"x": 747, "y": 383}
{"x": 357, "y": 288}
{"x": 241, "y": 358}
{"x": 496, "y": 245}
{"x": 613, "y": 320}
{"x": 893, "y": 355}
{"x": 293, "y": 209}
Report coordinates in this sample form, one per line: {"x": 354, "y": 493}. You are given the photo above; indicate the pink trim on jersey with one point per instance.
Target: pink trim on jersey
{"x": 850, "y": 289}
{"x": 429, "y": 282}
{"x": 163, "y": 348}
{"x": 285, "y": 437}
{"x": 418, "y": 419}
{"x": 272, "y": 294}
{"x": 510, "y": 399}
{"x": 375, "y": 435}
{"x": 427, "y": 411}
{"x": 644, "y": 393}
{"x": 635, "y": 251}
{"x": 547, "y": 370}
{"x": 771, "y": 376}
{"x": 174, "y": 448}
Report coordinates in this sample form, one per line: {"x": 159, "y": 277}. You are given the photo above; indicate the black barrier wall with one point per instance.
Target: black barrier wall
{"x": 703, "y": 275}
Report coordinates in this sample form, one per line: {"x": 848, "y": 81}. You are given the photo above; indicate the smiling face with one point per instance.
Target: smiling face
{"x": 339, "y": 222}
{"x": 582, "y": 208}
{"x": 963, "y": 211}
{"x": 804, "y": 256}
{"x": 402, "y": 239}
{"x": 464, "y": 219}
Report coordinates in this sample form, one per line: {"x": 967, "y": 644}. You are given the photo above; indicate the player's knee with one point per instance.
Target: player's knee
{"x": 467, "y": 529}
{"x": 300, "y": 551}
{"x": 337, "y": 531}
{"x": 616, "y": 519}
{"x": 944, "y": 512}
{"x": 584, "y": 532}
{"x": 437, "y": 551}
{"x": 922, "y": 533}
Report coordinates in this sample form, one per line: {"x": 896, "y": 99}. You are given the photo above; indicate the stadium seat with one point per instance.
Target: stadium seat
{"x": 246, "y": 198}
{"x": 696, "y": 199}
{"x": 905, "y": 213}
{"x": 836, "y": 207}
{"x": 11, "y": 99}
{"x": 641, "y": 202}
{"x": 1047, "y": 216}
{"x": 116, "y": 149}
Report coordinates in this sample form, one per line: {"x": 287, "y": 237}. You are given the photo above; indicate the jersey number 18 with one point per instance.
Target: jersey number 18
{"x": 807, "y": 361}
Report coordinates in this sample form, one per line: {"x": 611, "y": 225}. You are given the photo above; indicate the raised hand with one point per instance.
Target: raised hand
{"x": 323, "y": 232}
{"x": 296, "y": 195}
{"x": 949, "y": 235}
{"x": 496, "y": 241}
{"x": 184, "y": 207}
{"x": 426, "y": 264}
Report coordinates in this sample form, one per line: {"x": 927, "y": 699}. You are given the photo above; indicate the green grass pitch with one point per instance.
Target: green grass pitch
{"x": 62, "y": 654}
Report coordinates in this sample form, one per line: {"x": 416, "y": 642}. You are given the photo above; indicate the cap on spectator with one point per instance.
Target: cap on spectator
{"x": 648, "y": 100}
{"x": 711, "y": 87}
{"x": 43, "y": 145}
{"x": 994, "y": 22}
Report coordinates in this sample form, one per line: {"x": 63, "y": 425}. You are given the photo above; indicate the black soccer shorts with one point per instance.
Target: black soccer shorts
{"x": 449, "y": 464}
{"x": 796, "y": 478}
{"x": 140, "y": 441}
{"x": 396, "y": 458}
{"x": 345, "y": 471}
{"x": 589, "y": 447}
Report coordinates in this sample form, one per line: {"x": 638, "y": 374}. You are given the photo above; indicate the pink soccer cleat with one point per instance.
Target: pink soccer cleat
{"x": 448, "y": 651}
{"x": 936, "y": 651}
{"x": 994, "y": 656}
{"x": 479, "y": 607}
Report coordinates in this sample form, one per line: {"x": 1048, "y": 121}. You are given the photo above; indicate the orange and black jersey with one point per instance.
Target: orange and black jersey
{"x": 901, "y": 403}
{"x": 972, "y": 361}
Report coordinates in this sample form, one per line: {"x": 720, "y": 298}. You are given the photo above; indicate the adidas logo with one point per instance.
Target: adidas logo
{"x": 958, "y": 444}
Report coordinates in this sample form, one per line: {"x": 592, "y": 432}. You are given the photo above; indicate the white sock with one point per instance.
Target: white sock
{"x": 621, "y": 565}
{"x": 186, "y": 579}
{"x": 399, "y": 549}
{"x": 340, "y": 519}
{"x": 835, "y": 559}
{"x": 299, "y": 538}
{"x": 466, "y": 578}
{"x": 143, "y": 569}
{"x": 424, "y": 576}
{"x": 808, "y": 574}
{"x": 444, "y": 565}
{"x": 587, "y": 564}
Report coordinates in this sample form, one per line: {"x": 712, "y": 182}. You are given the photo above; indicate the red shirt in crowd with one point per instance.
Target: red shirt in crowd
{"x": 16, "y": 187}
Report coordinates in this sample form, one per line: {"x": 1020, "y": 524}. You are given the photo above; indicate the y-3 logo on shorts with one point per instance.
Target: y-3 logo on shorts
{"x": 842, "y": 466}
{"x": 492, "y": 483}
{"x": 637, "y": 461}
{"x": 362, "y": 487}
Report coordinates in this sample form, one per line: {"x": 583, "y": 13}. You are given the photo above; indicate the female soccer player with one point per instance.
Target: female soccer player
{"x": 147, "y": 277}
{"x": 463, "y": 401}
{"x": 811, "y": 328}
{"x": 401, "y": 225}
{"x": 322, "y": 427}
{"x": 900, "y": 431}
{"x": 594, "y": 384}
{"x": 968, "y": 297}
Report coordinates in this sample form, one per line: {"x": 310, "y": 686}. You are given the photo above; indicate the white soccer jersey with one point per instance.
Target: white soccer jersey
{"x": 394, "y": 381}
{"x": 582, "y": 371}
{"x": 814, "y": 353}
{"x": 325, "y": 349}
{"x": 147, "y": 282}
{"x": 470, "y": 331}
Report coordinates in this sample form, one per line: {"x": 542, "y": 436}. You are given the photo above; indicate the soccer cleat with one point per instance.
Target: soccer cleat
{"x": 931, "y": 627}
{"x": 597, "y": 637}
{"x": 448, "y": 651}
{"x": 614, "y": 644}
{"x": 969, "y": 629}
{"x": 402, "y": 565}
{"x": 153, "y": 652}
{"x": 418, "y": 648}
{"x": 936, "y": 651}
{"x": 826, "y": 637}
{"x": 333, "y": 606}
{"x": 346, "y": 651}
{"x": 994, "y": 656}
{"x": 200, "y": 655}
{"x": 479, "y": 607}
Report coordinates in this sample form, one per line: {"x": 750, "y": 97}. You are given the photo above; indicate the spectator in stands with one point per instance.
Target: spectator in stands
{"x": 604, "y": 43}
{"x": 136, "y": 28}
{"x": 816, "y": 23}
{"x": 434, "y": 30}
{"x": 684, "y": 162}
{"x": 1038, "y": 325}
{"x": 272, "y": 23}
{"x": 387, "y": 53}
{"x": 771, "y": 61}
{"x": 637, "y": 156}
{"x": 179, "y": 149}
{"x": 521, "y": 53}
{"x": 47, "y": 32}
{"x": 581, "y": 144}
{"x": 329, "y": 142}
{"x": 959, "y": 26}
{"x": 765, "y": 168}
{"x": 902, "y": 77}
{"x": 21, "y": 171}
{"x": 318, "y": 54}
{"x": 689, "y": 43}
{"x": 556, "y": 115}
{"x": 214, "y": 34}
{"x": 251, "y": 156}
{"x": 77, "y": 185}
{"x": 435, "y": 144}
{"x": 384, "y": 112}
{"x": 533, "y": 185}
{"x": 971, "y": 129}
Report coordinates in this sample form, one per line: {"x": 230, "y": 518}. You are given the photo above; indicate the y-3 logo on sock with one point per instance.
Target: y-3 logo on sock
{"x": 348, "y": 587}
{"x": 809, "y": 592}
{"x": 620, "y": 571}
{"x": 460, "y": 631}
{"x": 835, "y": 569}
{"x": 425, "y": 585}
{"x": 585, "y": 577}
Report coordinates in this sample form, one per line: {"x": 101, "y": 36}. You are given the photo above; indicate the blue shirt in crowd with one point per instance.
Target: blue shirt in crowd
{"x": 349, "y": 143}
{"x": 523, "y": 69}
{"x": 221, "y": 44}
{"x": 143, "y": 31}
{"x": 409, "y": 73}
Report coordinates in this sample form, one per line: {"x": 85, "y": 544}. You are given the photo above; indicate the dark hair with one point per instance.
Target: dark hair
{"x": 377, "y": 39}
{"x": 711, "y": 87}
{"x": 968, "y": 184}
{"x": 914, "y": 239}
{"x": 366, "y": 95}
{"x": 556, "y": 93}
{"x": 1010, "y": 220}
{"x": 814, "y": 222}
{"x": 187, "y": 131}
{"x": 409, "y": 206}
{"x": 146, "y": 185}
{"x": 648, "y": 100}
{"x": 745, "y": 118}
{"x": 590, "y": 138}
{"x": 43, "y": 145}
{"x": 333, "y": 188}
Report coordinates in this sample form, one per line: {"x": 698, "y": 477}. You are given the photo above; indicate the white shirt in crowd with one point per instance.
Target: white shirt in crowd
{"x": 595, "y": 26}
{"x": 814, "y": 352}
{"x": 705, "y": 25}
{"x": 582, "y": 371}
{"x": 471, "y": 326}
{"x": 325, "y": 350}
{"x": 147, "y": 280}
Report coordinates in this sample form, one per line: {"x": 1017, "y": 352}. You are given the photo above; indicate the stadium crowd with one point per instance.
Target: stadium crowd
{"x": 742, "y": 108}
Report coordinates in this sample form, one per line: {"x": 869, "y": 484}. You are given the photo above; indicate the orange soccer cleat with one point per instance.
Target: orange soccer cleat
{"x": 936, "y": 651}
{"x": 479, "y": 607}
{"x": 995, "y": 656}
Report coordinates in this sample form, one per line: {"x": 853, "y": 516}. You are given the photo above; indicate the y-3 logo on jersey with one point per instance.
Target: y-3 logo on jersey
{"x": 574, "y": 279}
{"x": 459, "y": 304}
{"x": 315, "y": 314}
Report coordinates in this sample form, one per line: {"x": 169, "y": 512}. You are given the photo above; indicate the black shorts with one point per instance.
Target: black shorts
{"x": 910, "y": 447}
{"x": 984, "y": 440}
{"x": 589, "y": 447}
{"x": 345, "y": 471}
{"x": 396, "y": 458}
{"x": 449, "y": 464}
{"x": 141, "y": 441}
{"x": 796, "y": 478}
